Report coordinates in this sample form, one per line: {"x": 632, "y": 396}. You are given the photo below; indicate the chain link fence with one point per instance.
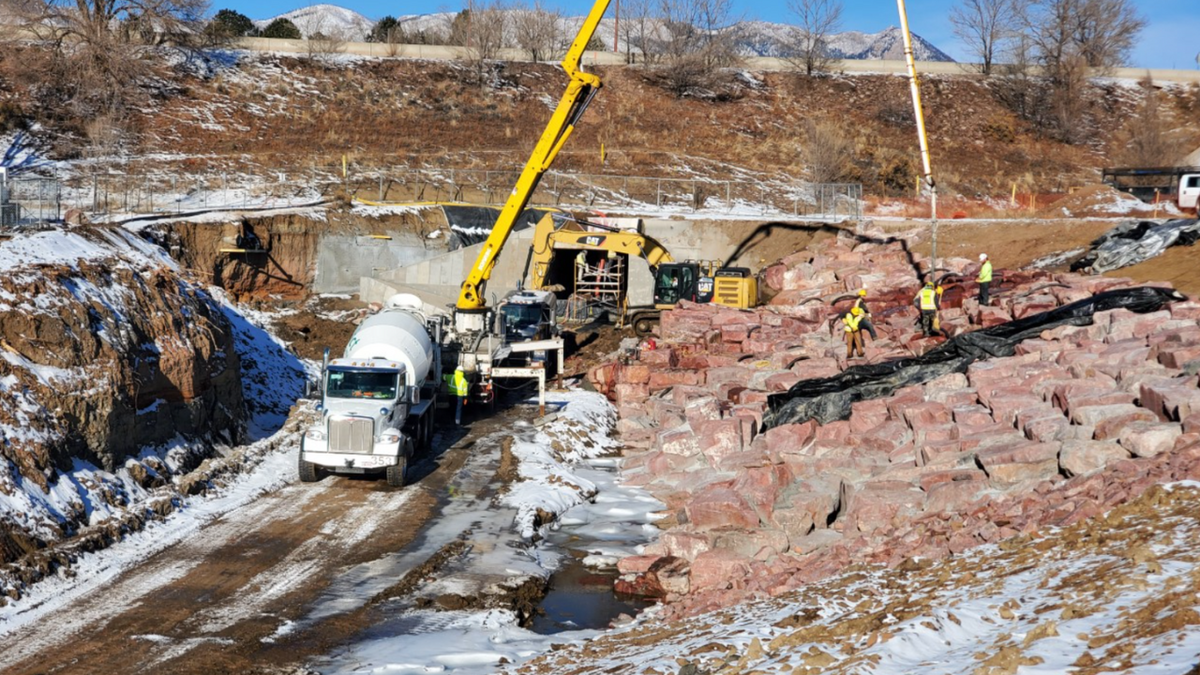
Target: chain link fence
{"x": 686, "y": 195}
{"x": 33, "y": 200}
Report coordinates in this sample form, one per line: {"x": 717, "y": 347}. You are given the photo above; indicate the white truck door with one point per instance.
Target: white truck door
{"x": 1189, "y": 190}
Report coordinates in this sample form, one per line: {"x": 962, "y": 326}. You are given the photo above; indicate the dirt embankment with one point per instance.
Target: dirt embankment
{"x": 103, "y": 358}
{"x": 274, "y": 256}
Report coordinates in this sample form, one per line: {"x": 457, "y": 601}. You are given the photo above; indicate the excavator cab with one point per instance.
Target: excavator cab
{"x": 681, "y": 281}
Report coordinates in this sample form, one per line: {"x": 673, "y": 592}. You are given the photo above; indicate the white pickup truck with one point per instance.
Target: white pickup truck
{"x": 1189, "y": 192}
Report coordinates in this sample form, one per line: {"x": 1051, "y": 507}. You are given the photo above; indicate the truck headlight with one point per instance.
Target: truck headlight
{"x": 390, "y": 437}
{"x": 315, "y": 434}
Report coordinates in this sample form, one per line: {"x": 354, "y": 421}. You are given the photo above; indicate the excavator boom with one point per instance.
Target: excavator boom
{"x": 582, "y": 87}
{"x": 547, "y": 238}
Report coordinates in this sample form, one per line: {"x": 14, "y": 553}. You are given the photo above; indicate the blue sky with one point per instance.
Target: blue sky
{"x": 1171, "y": 38}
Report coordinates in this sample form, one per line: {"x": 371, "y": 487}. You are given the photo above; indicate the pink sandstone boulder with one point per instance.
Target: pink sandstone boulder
{"x": 1083, "y": 458}
{"x": 718, "y": 569}
{"x": 718, "y": 506}
{"x": 1149, "y": 439}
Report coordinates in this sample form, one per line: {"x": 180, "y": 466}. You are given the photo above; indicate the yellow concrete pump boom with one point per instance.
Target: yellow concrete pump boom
{"x": 575, "y": 100}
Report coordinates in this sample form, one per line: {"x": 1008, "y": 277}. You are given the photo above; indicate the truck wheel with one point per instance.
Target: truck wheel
{"x": 395, "y": 474}
{"x": 309, "y": 472}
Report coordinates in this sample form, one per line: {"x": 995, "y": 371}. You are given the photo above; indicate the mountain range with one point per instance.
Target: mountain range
{"x": 754, "y": 38}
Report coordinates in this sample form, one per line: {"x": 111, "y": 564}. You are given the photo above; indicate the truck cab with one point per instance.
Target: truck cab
{"x": 526, "y": 316}
{"x": 1189, "y": 192}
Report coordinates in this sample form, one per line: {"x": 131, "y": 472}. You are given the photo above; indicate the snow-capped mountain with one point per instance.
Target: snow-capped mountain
{"x": 327, "y": 19}
{"x": 754, "y": 38}
{"x": 760, "y": 38}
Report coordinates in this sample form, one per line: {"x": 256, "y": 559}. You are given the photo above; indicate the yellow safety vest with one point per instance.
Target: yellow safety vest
{"x": 928, "y": 298}
{"x": 985, "y": 272}
{"x": 457, "y": 383}
{"x": 852, "y": 322}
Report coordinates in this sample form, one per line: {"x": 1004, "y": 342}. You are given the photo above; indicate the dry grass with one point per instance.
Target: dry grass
{"x": 393, "y": 112}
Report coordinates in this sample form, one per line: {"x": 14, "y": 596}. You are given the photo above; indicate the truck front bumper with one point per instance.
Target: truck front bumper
{"x": 318, "y": 453}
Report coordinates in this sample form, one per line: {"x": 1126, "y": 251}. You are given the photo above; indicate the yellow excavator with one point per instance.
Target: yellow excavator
{"x": 697, "y": 281}
{"x": 472, "y": 310}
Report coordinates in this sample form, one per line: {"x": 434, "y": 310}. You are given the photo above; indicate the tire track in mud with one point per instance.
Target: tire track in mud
{"x": 289, "y": 577}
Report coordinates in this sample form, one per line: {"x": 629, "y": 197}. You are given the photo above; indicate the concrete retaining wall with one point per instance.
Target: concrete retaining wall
{"x": 439, "y": 278}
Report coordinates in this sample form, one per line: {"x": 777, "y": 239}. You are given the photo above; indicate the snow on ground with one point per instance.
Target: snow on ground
{"x": 563, "y": 471}
{"x": 1117, "y": 594}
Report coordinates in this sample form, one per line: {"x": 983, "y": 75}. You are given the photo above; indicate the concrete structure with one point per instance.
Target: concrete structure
{"x": 436, "y": 280}
{"x": 592, "y": 58}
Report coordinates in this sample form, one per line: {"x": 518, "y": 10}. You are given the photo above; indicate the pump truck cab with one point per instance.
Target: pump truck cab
{"x": 378, "y": 400}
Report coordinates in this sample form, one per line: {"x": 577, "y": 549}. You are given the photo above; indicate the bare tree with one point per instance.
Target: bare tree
{"x": 985, "y": 26}
{"x": 816, "y": 20}
{"x": 324, "y": 39}
{"x": 1106, "y": 31}
{"x": 1148, "y": 138}
{"x": 479, "y": 29}
{"x": 695, "y": 44}
{"x": 537, "y": 31}
{"x": 91, "y": 55}
{"x": 827, "y": 152}
{"x": 637, "y": 27}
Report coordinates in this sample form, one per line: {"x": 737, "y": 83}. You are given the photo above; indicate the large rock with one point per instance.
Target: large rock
{"x": 718, "y": 569}
{"x": 1081, "y": 458}
{"x": 720, "y": 506}
{"x": 1149, "y": 439}
{"x": 1174, "y": 400}
{"x": 678, "y": 441}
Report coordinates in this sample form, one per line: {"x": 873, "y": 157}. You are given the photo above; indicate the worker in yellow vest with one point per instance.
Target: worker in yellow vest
{"x": 853, "y": 329}
{"x": 458, "y": 388}
{"x": 861, "y": 303}
{"x": 985, "y": 278}
{"x": 928, "y": 300}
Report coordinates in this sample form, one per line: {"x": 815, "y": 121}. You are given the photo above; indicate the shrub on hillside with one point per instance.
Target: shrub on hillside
{"x": 281, "y": 29}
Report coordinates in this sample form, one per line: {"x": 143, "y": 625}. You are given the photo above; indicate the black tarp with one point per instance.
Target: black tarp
{"x": 470, "y": 225}
{"x": 828, "y": 399}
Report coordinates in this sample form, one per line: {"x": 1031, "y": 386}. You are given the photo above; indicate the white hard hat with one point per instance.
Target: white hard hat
{"x": 458, "y": 369}
{"x": 983, "y": 256}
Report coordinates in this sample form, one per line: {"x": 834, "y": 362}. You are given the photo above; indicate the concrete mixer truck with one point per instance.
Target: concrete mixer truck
{"x": 378, "y": 400}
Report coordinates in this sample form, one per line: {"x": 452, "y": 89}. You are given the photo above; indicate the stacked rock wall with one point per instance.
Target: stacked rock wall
{"x": 1078, "y": 420}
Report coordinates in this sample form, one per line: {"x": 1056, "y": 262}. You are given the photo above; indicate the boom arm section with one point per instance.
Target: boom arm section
{"x": 575, "y": 100}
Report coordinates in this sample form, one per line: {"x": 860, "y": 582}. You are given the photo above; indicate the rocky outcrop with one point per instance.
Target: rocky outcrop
{"x": 1078, "y": 420}
{"x": 107, "y": 353}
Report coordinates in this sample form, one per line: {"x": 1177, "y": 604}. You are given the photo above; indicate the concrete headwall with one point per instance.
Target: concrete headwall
{"x": 437, "y": 279}
{"x": 342, "y": 260}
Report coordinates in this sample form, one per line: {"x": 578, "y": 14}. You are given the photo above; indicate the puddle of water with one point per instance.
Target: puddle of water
{"x": 581, "y": 596}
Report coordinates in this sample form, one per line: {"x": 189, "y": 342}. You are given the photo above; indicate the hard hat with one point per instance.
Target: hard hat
{"x": 856, "y": 311}
{"x": 458, "y": 369}
{"x": 983, "y": 256}
{"x": 928, "y": 284}
{"x": 862, "y": 292}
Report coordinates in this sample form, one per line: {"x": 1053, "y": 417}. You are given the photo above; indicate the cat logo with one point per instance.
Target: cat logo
{"x": 592, "y": 240}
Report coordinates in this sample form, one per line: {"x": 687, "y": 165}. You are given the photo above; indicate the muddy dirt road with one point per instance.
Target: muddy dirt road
{"x": 290, "y": 576}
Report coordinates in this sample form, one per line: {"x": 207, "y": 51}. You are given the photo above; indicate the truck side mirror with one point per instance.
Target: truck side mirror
{"x": 413, "y": 395}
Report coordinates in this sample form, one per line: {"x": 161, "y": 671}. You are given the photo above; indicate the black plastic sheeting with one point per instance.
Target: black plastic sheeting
{"x": 828, "y": 399}
{"x": 1131, "y": 243}
{"x": 470, "y": 225}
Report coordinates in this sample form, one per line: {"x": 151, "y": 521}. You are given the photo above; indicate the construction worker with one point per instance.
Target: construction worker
{"x": 853, "y": 328}
{"x": 985, "y": 278}
{"x": 459, "y": 388}
{"x": 861, "y": 303}
{"x": 928, "y": 300}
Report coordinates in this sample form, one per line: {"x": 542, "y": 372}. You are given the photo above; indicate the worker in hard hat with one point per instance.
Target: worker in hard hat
{"x": 853, "y": 329}
{"x": 985, "y": 278}
{"x": 458, "y": 388}
{"x": 928, "y": 301}
{"x": 861, "y": 303}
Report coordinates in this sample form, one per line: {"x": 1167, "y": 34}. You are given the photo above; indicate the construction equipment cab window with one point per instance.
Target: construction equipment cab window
{"x": 674, "y": 283}
{"x": 361, "y": 384}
